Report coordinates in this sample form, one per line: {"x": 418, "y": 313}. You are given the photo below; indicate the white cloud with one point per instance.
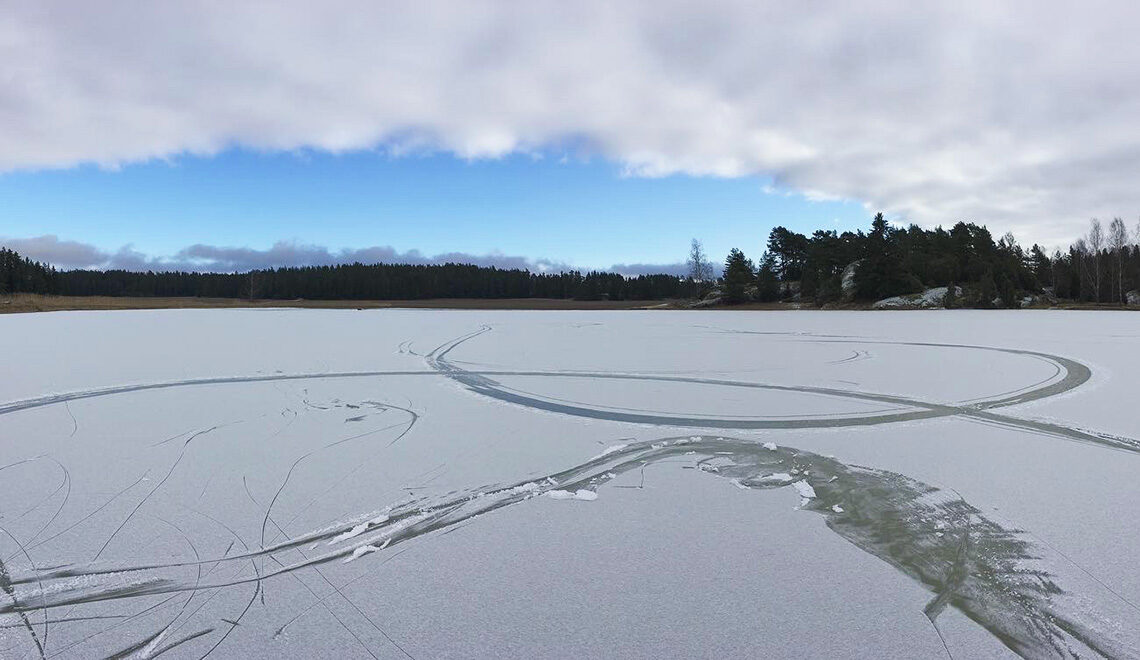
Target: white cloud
{"x": 1019, "y": 114}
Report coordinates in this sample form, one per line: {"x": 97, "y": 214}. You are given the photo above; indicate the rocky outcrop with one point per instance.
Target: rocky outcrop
{"x": 710, "y": 301}
{"x": 929, "y": 299}
{"x": 790, "y": 291}
{"x": 1037, "y": 300}
{"x": 847, "y": 281}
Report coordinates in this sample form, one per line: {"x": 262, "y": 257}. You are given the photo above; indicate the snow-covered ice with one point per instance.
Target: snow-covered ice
{"x": 295, "y": 483}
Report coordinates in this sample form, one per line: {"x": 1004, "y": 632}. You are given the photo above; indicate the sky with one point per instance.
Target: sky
{"x": 241, "y": 209}
{"x": 550, "y": 135}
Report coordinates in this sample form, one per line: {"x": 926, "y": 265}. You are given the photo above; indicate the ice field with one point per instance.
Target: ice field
{"x": 457, "y": 484}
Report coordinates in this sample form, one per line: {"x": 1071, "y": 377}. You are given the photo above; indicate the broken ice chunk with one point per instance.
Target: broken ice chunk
{"x": 584, "y": 495}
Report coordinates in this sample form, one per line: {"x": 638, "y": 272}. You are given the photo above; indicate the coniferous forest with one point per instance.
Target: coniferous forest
{"x": 341, "y": 282}
{"x": 1103, "y": 266}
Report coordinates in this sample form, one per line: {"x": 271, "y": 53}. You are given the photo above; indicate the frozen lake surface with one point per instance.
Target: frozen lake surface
{"x": 430, "y": 484}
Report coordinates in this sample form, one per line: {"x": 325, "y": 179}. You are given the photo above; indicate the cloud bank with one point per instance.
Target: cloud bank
{"x": 1021, "y": 114}
{"x": 67, "y": 254}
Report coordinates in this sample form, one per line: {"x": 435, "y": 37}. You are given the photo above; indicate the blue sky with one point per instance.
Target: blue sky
{"x": 168, "y": 134}
{"x": 585, "y": 213}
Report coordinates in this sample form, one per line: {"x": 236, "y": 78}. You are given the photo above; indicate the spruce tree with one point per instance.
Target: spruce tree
{"x": 881, "y": 274}
{"x": 767, "y": 282}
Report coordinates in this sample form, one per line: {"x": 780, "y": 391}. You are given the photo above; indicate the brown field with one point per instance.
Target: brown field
{"x": 39, "y": 303}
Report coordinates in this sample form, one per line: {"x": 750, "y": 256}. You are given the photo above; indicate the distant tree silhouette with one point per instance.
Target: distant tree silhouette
{"x": 349, "y": 281}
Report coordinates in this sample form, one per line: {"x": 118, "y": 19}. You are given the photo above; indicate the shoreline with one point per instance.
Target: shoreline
{"x": 25, "y": 303}
{"x": 30, "y": 303}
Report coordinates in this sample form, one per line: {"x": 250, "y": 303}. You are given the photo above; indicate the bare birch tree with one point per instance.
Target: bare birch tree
{"x": 1080, "y": 250}
{"x": 1095, "y": 245}
{"x": 1118, "y": 242}
{"x": 1053, "y": 269}
{"x": 700, "y": 269}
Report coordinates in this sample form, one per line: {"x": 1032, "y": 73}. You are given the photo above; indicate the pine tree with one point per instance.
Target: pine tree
{"x": 738, "y": 276}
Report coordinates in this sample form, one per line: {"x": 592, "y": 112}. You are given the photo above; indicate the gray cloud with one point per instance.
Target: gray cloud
{"x": 288, "y": 253}
{"x": 50, "y": 249}
{"x": 1019, "y": 114}
{"x": 211, "y": 258}
{"x": 633, "y": 270}
{"x": 67, "y": 254}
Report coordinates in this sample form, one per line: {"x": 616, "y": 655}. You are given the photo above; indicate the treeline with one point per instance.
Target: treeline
{"x": 891, "y": 261}
{"x": 824, "y": 268}
{"x": 22, "y": 275}
{"x": 341, "y": 282}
